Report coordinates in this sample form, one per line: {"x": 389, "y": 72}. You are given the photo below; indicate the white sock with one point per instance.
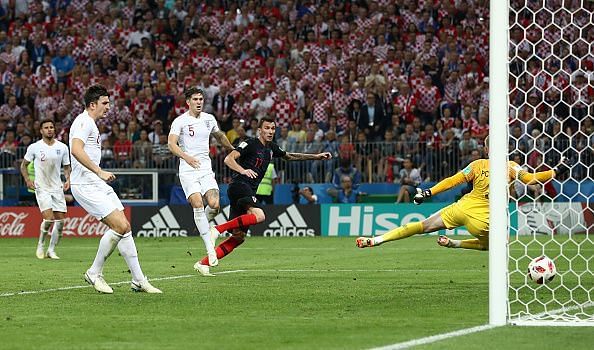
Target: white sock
{"x": 107, "y": 244}
{"x": 127, "y": 248}
{"x": 377, "y": 240}
{"x": 56, "y": 234}
{"x": 210, "y": 213}
{"x": 203, "y": 228}
{"x": 43, "y": 229}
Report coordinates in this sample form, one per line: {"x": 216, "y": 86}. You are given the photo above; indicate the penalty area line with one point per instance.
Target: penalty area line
{"x": 435, "y": 338}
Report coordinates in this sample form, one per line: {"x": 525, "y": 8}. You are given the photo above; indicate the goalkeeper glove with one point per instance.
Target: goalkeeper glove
{"x": 421, "y": 196}
{"x": 562, "y": 167}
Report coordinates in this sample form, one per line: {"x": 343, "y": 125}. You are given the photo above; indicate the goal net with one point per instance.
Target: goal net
{"x": 550, "y": 115}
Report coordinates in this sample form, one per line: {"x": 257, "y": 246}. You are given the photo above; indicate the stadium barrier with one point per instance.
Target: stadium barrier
{"x": 22, "y": 222}
{"x": 297, "y": 220}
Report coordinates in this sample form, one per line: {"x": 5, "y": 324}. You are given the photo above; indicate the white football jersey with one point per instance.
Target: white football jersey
{"x": 85, "y": 129}
{"x": 48, "y": 161}
{"x": 194, "y": 138}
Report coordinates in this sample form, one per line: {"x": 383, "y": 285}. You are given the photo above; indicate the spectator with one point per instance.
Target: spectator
{"x": 308, "y": 195}
{"x": 261, "y": 106}
{"x": 467, "y": 145}
{"x": 155, "y": 135}
{"x": 162, "y": 157}
{"x": 163, "y": 103}
{"x": 347, "y": 169}
{"x": 410, "y": 179}
{"x": 222, "y": 105}
{"x": 122, "y": 150}
{"x": 64, "y": 64}
{"x": 143, "y": 149}
{"x": 8, "y": 150}
{"x": 345, "y": 193}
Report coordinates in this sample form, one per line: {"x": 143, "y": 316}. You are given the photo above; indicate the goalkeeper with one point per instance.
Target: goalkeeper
{"x": 472, "y": 210}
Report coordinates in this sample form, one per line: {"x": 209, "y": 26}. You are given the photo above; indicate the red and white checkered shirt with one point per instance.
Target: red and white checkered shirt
{"x": 479, "y": 131}
{"x": 242, "y": 110}
{"x": 416, "y": 82}
{"x": 320, "y": 111}
{"x": 451, "y": 91}
{"x": 45, "y": 107}
{"x": 469, "y": 123}
{"x": 340, "y": 101}
{"x": 253, "y": 63}
{"x": 406, "y": 103}
{"x": 428, "y": 98}
{"x": 141, "y": 110}
{"x": 284, "y": 111}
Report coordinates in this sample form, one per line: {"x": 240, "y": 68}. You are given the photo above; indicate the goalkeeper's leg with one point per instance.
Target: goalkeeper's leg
{"x": 473, "y": 243}
{"x": 431, "y": 224}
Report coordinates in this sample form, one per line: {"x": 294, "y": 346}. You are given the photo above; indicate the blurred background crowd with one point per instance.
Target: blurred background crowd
{"x": 387, "y": 86}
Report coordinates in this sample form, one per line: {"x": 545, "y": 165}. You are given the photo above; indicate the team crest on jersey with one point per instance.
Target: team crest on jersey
{"x": 207, "y": 122}
{"x": 58, "y": 151}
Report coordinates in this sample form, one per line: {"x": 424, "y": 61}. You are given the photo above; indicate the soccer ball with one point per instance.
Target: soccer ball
{"x": 542, "y": 270}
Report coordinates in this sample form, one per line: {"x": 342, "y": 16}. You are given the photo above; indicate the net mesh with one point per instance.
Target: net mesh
{"x": 550, "y": 95}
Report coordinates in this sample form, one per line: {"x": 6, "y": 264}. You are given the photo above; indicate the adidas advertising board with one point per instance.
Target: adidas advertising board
{"x": 178, "y": 221}
{"x": 167, "y": 221}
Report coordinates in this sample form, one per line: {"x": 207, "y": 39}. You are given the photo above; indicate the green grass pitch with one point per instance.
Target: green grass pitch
{"x": 271, "y": 293}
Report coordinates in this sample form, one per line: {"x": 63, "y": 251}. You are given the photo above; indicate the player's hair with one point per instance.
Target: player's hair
{"x": 266, "y": 119}
{"x": 47, "y": 121}
{"x": 193, "y": 91}
{"x": 94, "y": 93}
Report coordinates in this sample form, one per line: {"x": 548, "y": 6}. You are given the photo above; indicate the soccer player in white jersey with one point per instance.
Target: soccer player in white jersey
{"x": 89, "y": 188}
{"x": 48, "y": 156}
{"x": 188, "y": 139}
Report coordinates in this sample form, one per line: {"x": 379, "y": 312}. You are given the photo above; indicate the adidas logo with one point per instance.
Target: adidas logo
{"x": 289, "y": 223}
{"x": 162, "y": 224}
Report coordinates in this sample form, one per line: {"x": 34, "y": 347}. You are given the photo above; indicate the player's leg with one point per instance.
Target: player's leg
{"x": 100, "y": 201}
{"x": 201, "y": 222}
{"x": 243, "y": 198}
{"x": 59, "y": 209}
{"x": 431, "y": 224}
{"x": 477, "y": 228}
{"x": 47, "y": 216}
{"x": 236, "y": 239}
{"x": 213, "y": 206}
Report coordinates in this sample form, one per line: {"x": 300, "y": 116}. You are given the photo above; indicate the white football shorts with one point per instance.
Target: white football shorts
{"x": 195, "y": 182}
{"x": 53, "y": 200}
{"x": 98, "y": 199}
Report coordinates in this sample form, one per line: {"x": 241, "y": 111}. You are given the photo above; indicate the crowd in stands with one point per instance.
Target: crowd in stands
{"x": 375, "y": 82}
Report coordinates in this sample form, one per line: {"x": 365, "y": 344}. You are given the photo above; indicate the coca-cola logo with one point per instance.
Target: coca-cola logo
{"x": 83, "y": 226}
{"x": 12, "y": 224}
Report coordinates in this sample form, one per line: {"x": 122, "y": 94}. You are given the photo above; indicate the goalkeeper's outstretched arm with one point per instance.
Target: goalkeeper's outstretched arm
{"x": 443, "y": 185}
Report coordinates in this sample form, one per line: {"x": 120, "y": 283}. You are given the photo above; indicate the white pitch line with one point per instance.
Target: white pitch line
{"x": 435, "y": 338}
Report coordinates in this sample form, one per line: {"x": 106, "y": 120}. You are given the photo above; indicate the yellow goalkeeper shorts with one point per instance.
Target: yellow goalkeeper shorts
{"x": 470, "y": 213}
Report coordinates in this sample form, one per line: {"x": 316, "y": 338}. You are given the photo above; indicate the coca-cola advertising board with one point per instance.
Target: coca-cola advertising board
{"x": 18, "y": 222}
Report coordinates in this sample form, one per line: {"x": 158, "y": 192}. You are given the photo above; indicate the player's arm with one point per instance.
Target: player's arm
{"x": 231, "y": 162}
{"x": 460, "y": 177}
{"x": 67, "y": 171}
{"x": 25, "y": 173}
{"x": 223, "y": 140}
{"x": 307, "y": 156}
{"x": 178, "y": 152}
{"x": 82, "y": 157}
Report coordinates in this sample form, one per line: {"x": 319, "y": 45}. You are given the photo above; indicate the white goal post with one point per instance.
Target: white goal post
{"x": 539, "y": 101}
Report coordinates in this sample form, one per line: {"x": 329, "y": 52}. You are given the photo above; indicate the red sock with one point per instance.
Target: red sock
{"x": 239, "y": 222}
{"x": 225, "y": 248}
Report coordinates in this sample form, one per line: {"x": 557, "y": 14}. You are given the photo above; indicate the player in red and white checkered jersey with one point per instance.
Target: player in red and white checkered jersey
{"x": 283, "y": 109}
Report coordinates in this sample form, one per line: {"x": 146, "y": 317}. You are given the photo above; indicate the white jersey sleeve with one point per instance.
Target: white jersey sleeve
{"x": 30, "y": 154}
{"x": 81, "y": 130}
{"x": 176, "y": 127}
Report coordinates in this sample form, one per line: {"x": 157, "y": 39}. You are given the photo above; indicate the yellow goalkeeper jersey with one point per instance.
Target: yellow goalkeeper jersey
{"x": 472, "y": 210}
